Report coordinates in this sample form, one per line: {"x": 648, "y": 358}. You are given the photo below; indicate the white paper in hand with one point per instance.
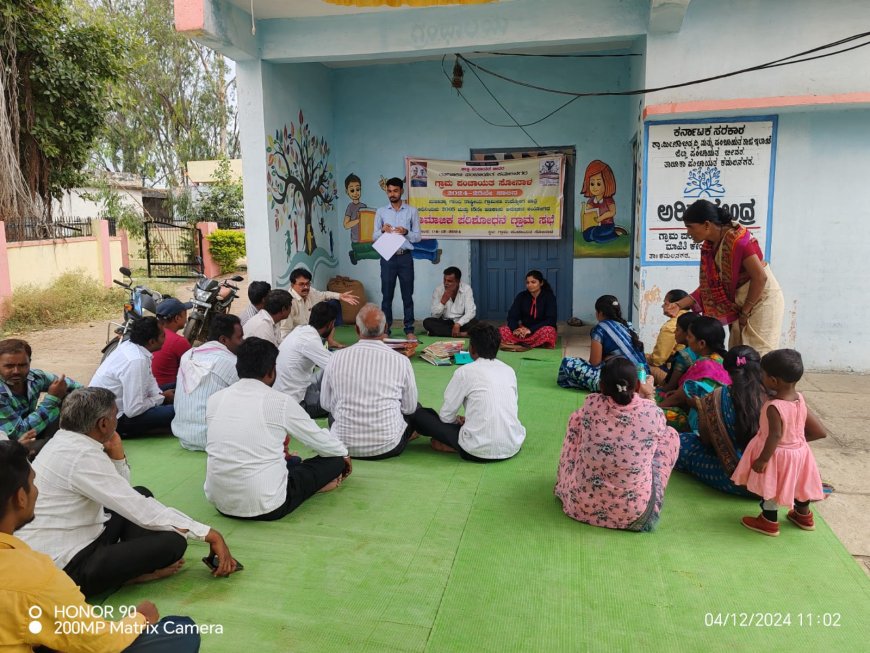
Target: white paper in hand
{"x": 387, "y": 245}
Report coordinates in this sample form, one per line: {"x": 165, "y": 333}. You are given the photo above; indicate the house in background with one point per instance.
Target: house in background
{"x": 362, "y": 87}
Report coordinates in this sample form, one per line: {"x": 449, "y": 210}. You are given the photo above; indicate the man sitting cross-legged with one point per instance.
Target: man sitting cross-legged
{"x": 368, "y": 388}
{"x": 23, "y": 416}
{"x": 142, "y": 406}
{"x": 249, "y": 473}
{"x": 300, "y": 352}
{"x": 81, "y": 473}
{"x": 491, "y": 429}
{"x": 203, "y": 371}
{"x": 276, "y": 307}
{"x": 453, "y": 308}
{"x": 36, "y": 595}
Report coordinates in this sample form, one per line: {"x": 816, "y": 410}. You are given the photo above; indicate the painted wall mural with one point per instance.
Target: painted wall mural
{"x": 598, "y": 234}
{"x": 360, "y": 219}
{"x": 302, "y": 190}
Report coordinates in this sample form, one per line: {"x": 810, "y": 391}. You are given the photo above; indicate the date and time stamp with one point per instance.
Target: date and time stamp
{"x": 772, "y": 619}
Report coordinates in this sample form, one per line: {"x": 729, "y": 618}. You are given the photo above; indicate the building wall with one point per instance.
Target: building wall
{"x": 39, "y": 262}
{"x": 819, "y": 230}
{"x": 718, "y": 37}
{"x": 288, "y": 91}
{"x": 385, "y": 112}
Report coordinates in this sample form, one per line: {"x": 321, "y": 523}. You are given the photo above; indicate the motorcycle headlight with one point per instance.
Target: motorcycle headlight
{"x": 201, "y": 295}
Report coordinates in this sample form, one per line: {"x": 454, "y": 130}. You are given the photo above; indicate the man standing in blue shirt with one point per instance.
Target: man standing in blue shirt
{"x": 398, "y": 218}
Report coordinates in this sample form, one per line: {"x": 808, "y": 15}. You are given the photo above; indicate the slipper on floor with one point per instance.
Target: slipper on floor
{"x": 575, "y": 322}
{"x": 828, "y": 489}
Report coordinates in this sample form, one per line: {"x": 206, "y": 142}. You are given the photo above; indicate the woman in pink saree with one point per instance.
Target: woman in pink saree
{"x": 736, "y": 285}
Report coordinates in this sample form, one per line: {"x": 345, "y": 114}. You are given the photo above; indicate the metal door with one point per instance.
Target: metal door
{"x": 498, "y": 267}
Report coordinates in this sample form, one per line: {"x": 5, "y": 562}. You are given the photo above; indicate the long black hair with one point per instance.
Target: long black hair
{"x": 743, "y": 365}
{"x": 711, "y": 331}
{"x": 683, "y": 322}
{"x": 608, "y": 306}
{"x": 537, "y": 274}
{"x": 618, "y": 380}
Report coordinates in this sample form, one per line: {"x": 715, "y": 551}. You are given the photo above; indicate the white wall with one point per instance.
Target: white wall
{"x": 820, "y": 226}
{"x": 718, "y": 37}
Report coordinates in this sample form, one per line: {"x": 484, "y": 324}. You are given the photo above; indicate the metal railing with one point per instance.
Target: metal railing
{"x": 31, "y": 228}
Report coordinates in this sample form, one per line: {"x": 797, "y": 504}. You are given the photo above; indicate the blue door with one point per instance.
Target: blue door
{"x": 498, "y": 267}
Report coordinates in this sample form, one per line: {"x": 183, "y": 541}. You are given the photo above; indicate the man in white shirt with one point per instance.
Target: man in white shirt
{"x": 368, "y": 388}
{"x": 300, "y": 353}
{"x": 305, "y": 298}
{"x": 142, "y": 407}
{"x": 257, "y": 291}
{"x": 203, "y": 371}
{"x": 276, "y": 307}
{"x": 249, "y": 473}
{"x": 453, "y": 308}
{"x": 487, "y": 388}
{"x": 81, "y": 473}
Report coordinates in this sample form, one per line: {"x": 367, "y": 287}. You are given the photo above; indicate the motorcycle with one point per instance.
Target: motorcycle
{"x": 142, "y": 301}
{"x": 210, "y": 297}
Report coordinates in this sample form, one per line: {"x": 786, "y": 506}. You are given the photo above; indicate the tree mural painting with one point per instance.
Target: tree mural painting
{"x": 300, "y": 176}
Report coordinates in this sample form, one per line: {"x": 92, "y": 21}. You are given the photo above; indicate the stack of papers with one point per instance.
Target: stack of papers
{"x": 441, "y": 353}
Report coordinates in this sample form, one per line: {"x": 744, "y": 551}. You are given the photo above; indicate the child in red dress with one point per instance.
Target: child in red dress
{"x": 778, "y": 464}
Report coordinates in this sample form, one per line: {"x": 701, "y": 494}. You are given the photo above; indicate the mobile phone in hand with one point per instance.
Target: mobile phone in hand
{"x": 212, "y": 563}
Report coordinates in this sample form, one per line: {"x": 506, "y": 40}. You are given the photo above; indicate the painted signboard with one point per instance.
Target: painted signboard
{"x": 729, "y": 162}
{"x": 488, "y": 199}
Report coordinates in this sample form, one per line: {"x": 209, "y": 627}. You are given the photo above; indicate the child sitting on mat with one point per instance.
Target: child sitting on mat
{"x": 778, "y": 464}
{"x": 682, "y": 359}
{"x": 666, "y": 345}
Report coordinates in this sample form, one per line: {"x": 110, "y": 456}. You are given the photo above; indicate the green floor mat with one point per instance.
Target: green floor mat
{"x": 426, "y": 552}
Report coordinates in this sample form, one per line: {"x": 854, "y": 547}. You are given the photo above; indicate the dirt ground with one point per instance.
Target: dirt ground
{"x": 76, "y": 350}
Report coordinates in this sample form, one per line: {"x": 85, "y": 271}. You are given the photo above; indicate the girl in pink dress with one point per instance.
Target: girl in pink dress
{"x": 778, "y": 464}
{"x": 618, "y": 454}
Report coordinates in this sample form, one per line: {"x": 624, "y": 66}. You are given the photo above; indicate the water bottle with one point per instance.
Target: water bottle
{"x": 641, "y": 374}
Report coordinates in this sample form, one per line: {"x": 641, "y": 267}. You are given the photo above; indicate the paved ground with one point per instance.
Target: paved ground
{"x": 841, "y": 400}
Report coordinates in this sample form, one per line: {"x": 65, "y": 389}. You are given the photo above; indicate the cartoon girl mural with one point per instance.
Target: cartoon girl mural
{"x": 599, "y": 210}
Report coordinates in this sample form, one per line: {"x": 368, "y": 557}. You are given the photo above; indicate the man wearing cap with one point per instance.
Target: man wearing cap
{"x": 172, "y": 315}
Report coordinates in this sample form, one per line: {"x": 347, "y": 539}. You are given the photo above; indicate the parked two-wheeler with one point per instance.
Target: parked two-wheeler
{"x": 141, "y": 302}
{"x": 210, "y": 297}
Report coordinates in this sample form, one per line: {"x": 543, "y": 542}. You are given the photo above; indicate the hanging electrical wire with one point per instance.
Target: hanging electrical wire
{"x": 800, "y": 57}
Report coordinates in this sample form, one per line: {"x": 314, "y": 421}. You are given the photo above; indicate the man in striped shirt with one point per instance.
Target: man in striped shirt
{"x": 203, "y": 371}
{"x": 369, "y": 388}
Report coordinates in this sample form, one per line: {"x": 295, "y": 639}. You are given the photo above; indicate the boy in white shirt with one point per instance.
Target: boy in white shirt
{"x": 487, "y": 388}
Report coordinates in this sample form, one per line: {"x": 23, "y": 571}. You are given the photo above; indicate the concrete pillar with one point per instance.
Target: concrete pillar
{"x": 101, "y": 231}
{"x": 5, "y": 280}
{"x": 209, "y": 267}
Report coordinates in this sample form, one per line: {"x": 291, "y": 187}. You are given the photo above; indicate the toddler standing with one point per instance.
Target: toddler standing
{"x": 778, "y": 464}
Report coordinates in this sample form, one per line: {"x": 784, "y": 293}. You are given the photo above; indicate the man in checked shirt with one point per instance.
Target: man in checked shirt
{"x": 22, "y": 416}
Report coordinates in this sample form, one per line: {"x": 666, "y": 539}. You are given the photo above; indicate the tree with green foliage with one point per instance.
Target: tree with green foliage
{"x": 57, "y": 71}
{"x": 175, "y": 103}
{"x": 222, "y": 201}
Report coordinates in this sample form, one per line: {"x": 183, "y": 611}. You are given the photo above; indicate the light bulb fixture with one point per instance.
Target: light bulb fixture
{"x": 457, "y": 75}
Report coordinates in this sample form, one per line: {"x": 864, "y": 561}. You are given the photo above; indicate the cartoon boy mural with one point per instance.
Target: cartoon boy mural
{"x": 360, "y": 219}
{"x": 598, "y": 211}
{"x": 359, "y": 250}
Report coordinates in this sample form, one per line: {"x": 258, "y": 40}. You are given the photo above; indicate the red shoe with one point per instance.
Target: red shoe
{"x": 761, "y": 525}
{"x": 804, "y": 522}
